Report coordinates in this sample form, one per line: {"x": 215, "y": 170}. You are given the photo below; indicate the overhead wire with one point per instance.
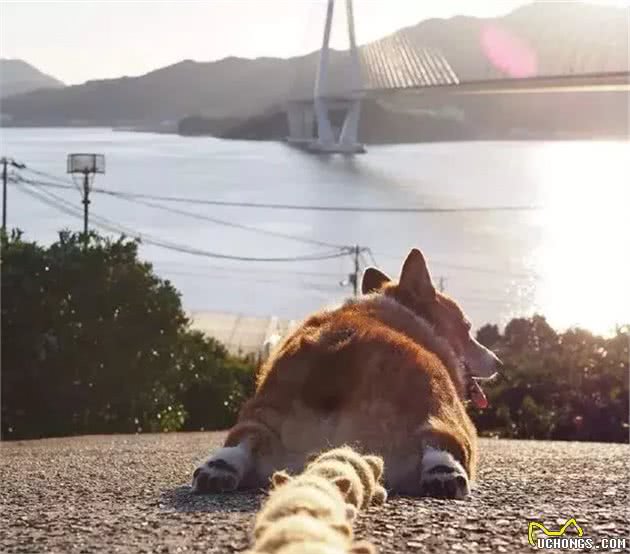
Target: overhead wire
{"x": 204, "y": 268}
{"x": 463, "y": 267}
{"x": 203, "y": 217}
{"x": 144, "y": 199}
{"x": 61, "y": 204}
{"x": 304, "y": 207}
{"x": 217, "y": 221}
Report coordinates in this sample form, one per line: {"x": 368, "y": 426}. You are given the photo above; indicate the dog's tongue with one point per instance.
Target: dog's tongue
{"x": 477, "y": 396}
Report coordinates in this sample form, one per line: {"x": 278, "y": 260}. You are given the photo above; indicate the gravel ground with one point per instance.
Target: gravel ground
{"x": 131, "y": 494}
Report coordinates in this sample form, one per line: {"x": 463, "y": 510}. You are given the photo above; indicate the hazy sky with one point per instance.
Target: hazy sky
{"x": 80, "y": 40}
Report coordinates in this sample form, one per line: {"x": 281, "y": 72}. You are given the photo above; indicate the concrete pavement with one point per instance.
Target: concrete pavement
{"x": 129, "y": 493}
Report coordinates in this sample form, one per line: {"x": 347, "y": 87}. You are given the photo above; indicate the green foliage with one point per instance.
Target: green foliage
{"x": 571, "y": 385}
{"x": 94, "y": 342}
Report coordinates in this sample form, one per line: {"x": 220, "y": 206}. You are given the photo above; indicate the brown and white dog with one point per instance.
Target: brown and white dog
{"x": 388, "y": 372}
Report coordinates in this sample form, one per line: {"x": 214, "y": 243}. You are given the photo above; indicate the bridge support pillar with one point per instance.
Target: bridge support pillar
{"x": 349, "y": 135}
{"x": 344, "y": 141}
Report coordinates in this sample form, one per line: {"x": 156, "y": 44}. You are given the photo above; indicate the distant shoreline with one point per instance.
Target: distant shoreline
{"x": 556, "y": 137}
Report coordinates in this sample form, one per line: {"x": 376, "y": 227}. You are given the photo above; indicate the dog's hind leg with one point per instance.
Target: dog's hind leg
{"x": 237, "y": 464}
{"x": 442, "y": 476}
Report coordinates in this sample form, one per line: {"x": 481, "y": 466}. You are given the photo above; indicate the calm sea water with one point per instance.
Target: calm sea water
{"x": 570, "y": 260}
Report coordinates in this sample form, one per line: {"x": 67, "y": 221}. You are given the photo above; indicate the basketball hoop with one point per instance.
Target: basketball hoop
{"x": 83, "y": 168}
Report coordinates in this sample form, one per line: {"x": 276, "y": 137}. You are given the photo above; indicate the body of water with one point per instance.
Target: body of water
{"x": 569, "y": 260}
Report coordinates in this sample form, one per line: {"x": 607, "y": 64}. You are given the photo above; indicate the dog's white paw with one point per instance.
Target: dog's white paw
{"x": 216, "y": 475}
{"x": 443, "y": 476}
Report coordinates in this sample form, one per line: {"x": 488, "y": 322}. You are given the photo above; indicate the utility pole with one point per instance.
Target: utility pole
{"x": 6, "y": 162}
{"x": 355, "y": 276}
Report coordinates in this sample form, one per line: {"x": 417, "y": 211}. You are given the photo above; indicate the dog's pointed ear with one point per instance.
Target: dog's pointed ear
{"x": 373, "y": 279}
{"x": 415, "y": 277}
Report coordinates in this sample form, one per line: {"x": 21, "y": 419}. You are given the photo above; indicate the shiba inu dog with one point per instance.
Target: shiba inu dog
{"x": 388, "y": 372}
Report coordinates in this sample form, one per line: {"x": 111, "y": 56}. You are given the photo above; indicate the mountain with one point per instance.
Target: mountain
{"x": 17, "y": 77}
{"x": 226, "y": 88}
{"x": 559, "y": 38}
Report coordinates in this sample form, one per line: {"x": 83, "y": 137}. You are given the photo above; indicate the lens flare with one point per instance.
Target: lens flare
{"x": 508, "y": 53}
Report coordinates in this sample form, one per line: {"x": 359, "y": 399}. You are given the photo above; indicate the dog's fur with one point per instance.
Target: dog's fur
{"x": 389, "y": 371}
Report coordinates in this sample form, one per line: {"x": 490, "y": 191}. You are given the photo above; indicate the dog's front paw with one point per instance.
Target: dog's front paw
{"x": 443, "y": 476}
{"x": 216, "y": 475}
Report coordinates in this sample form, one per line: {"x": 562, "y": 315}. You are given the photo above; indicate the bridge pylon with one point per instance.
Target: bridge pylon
{"x": 330, "y": 140}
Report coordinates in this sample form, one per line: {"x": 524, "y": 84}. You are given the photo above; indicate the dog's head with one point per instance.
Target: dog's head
{"x": 415, "y": 291}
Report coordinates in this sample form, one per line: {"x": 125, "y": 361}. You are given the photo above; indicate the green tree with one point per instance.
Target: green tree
{"x": 94, "y": 342}
{"x": 571, "y": 385}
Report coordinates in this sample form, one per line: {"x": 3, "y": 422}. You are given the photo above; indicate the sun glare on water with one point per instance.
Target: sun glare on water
{"x": 583, "y": 262}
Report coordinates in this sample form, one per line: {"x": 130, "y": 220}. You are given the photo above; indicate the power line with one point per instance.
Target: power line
{"x": 61, "y": 204}
{"x": 303, "y": 207}
{"x": 370, "y": 253}
{"x": 204, "y": 269}
{"x": 461, "y": 267}
{"x": 217, "y": 221}
{"x": 357, "y": 252}
{"x": 199, "y": 216}
{"x": 142, "y": 199}
{"x": 50, "y": 176}
{"x": 280, "y": 235}
{"x": 252, "y": 278}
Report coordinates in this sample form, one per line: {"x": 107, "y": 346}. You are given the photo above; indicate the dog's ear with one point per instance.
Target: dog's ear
{"x": 373, "y": 279}
{"x": 415, "y": 278}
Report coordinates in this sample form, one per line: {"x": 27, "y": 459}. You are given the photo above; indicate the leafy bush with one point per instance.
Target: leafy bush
{"x": 571, "y": 385}
{"x": 94, "y": 342}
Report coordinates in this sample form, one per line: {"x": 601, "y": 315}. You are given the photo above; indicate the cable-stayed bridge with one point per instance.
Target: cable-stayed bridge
{"x": 407, "y": 66}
